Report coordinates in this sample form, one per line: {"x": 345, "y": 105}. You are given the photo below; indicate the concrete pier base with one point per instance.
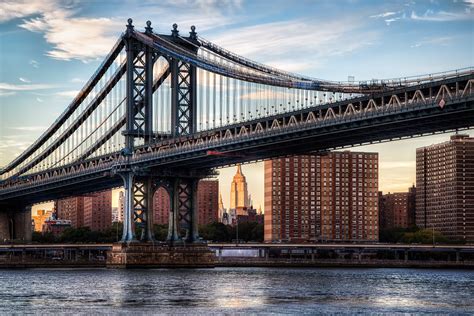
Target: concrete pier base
{"x": 16, "y": 225}
{"x": 160, "y": 255}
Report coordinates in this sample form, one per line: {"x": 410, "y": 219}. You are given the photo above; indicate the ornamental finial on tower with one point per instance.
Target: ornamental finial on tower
{"x": 148, "y": 28}
{"x": 129, "y": 25}
{"x": 174, "y": 31}
{"x": 193, "y": 34}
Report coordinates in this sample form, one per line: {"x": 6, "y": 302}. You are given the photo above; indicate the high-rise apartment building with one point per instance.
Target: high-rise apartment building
{"x": 445, "y": 187}
{"x": 71, "y": 209}
{"x": 161, "y": 207}
{"x": 207, "y": 203}
{"x": 397, "y": 209}
{"x": 333, "y": 196}
{"x": 98, "y": 210}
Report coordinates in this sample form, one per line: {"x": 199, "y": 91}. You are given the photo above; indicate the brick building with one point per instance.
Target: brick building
{"x": 332, "y": 196}
{"x": 445, "y": 187}
{"x": 71, "y": 209}
{"x": 98, "y": 210}
{"x": 397, "y": 209}
{"x": 208, "y": 204}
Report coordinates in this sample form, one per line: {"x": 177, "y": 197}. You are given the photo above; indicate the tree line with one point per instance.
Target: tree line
{"x": 213, "y": 232}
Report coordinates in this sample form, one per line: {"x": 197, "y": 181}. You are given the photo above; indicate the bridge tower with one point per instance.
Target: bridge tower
{"x": 140, "y": 185}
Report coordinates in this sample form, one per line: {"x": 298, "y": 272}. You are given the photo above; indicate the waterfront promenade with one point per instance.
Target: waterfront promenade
{"x": 257, "y": 255}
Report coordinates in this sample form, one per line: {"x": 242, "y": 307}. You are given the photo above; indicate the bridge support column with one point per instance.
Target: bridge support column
{"x": 183, "y": 210}
{"x": 173, "y": 234}
{"x": 128, "y": 231}
{"x": 15, "y": 224}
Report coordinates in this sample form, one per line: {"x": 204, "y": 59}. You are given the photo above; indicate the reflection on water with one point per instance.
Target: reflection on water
{"x": 239, "y": 290}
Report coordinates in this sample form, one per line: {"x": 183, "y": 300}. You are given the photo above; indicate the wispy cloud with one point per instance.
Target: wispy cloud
{"x": 78, "y": 80}
{"x": 34, "y": 63}
{"x": 6, "y": 93}
{"x": 24, "y": 87}
{"x": 39, "y": 100}
{"x": 441, "y": 16}
{"x": 28, "y": 128}
{"x": 322, "y": 39}
{"x": 437, "y": 41}
{"x": 68, "y": 94}
{"x": 24, "y": 80}
{"x": 383, "y": 15}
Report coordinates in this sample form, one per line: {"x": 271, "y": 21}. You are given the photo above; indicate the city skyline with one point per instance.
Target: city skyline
{"x": 46, "y": 39}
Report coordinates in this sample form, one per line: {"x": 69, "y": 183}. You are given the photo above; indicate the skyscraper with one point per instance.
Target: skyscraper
{"x": 98, "y": 210}
{"x": 322, "y": 197}
{"x": 445, "y": 187}
{"x": 238, "y": 191}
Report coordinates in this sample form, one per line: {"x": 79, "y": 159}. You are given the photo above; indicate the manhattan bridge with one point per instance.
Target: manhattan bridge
{"x": 165, "y": 110}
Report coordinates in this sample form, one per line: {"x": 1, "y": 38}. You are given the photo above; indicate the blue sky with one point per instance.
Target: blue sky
{"x": 50, "y": 48}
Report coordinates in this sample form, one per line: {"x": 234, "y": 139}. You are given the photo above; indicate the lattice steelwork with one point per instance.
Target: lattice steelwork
{"x": 202, "y": 106}
{"x": 184, "y": 83}
{"x": 187, "y": 202}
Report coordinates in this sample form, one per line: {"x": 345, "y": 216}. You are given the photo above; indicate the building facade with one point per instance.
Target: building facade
{"x": 39, "y": 219}
{"x": 207, "y": 203}
{"x": 239, "y": 197}
{"x": 71, "y": 209}
{"x": 397, "y": 210}
{"x": 98, "y": 211}
{"x": 121, "y": 206}
{"x": 445, "y": 187}
{"x": 329, "y": 197}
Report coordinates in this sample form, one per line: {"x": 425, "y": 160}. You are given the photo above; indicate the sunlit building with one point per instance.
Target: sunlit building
{"x": 445, "y": 187}
{"x": 98, "y": 210}
{"x": 39, "y": 219}
{"x": 71, "y": 209}
{"x": 327, "y": 197}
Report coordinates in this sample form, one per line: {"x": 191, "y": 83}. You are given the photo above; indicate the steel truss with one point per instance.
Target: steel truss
{"x": 183, "y": 76}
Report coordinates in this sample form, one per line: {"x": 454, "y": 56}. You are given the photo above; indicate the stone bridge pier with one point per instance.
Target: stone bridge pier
{"x": 15, "y": 224}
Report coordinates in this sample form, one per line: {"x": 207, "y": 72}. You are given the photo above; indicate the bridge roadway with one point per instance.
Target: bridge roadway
{"x": 438, "y": 106}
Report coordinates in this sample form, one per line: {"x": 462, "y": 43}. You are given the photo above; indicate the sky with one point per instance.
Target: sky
{"x": 50, "y": 48}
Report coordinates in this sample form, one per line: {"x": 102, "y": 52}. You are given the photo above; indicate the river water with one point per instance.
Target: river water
{"x": 237, "y": 291}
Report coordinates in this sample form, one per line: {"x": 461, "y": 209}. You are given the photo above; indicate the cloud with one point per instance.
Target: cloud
{"x": 389, "y": 21}
{"x": 440, "y": 41}
{"x": 77, "y": 80}
{"x": 68, "y": 94}
{"x": 441, "y": 16}
{"x": 29, "y": 128}
{"x": 34, "y": 63}
{"x": 67, "y": 33}
{"x": 383, "y": 15}
{"x": 315, "y": 39}
{"x": 24, "y": 87}
{"x": 39, "y": 100}
{"x": 6, "y": 93}
{"x": 24, "y": 80}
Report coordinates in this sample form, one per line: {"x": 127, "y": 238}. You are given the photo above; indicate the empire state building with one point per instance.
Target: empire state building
{"x": 238, "y": 191}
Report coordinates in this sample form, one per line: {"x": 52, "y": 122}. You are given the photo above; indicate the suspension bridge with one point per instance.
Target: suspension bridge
{"x": 165, "y": 110}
